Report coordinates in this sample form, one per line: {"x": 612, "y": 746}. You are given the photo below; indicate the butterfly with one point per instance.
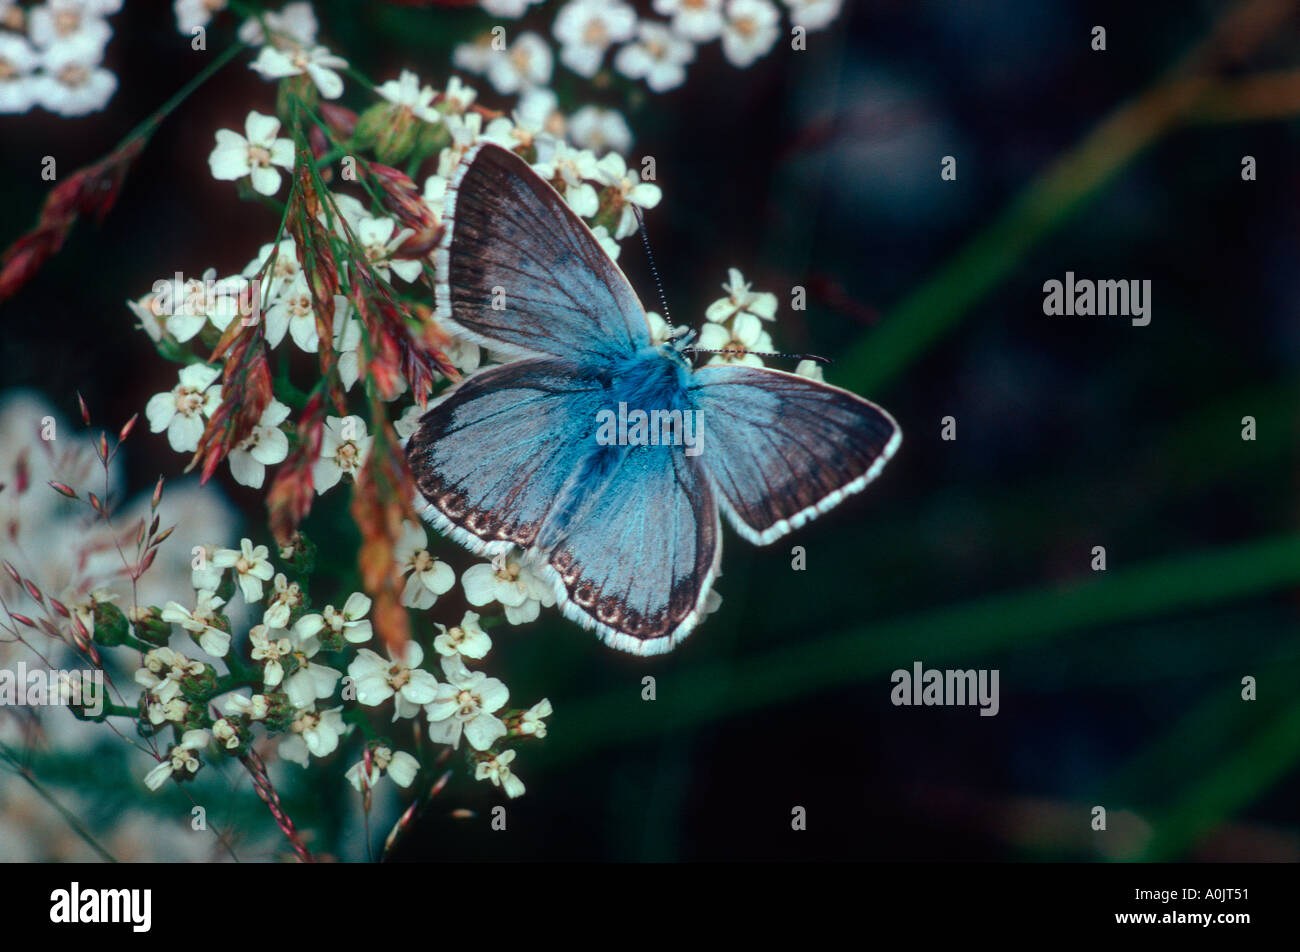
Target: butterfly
{"x": 547, "y": 451}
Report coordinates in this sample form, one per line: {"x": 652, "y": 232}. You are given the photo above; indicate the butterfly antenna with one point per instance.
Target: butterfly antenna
{"x": 645, "y": 240}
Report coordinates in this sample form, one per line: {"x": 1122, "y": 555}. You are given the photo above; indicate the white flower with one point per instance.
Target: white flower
{"x": 71, "y": 23}
{"x": 399, "y": 765}
{"x": 659, "y": 56}
{"x": 407, "y": 92}
{"x": 225, "y": 733}
{"x": 73, "y": 83}
{"x": 467, "y": 704}
{"x": 18, "y": 89}
{"x": 181, "y": 759}
{"x": 512, "y": 583}
{"x": 181, "y": 410}
{"x": 344, "y": 446}
{"x": 350, "y": 624}
{"x": 473, "y": 57}
{"x": 199, "y": 623}
{"x": 528, "y": 62}
{"x": 427, "y": 578}
{"x": 741, "y": 300}
{"x": 813, "y": 14}
{"x": 600, "y": 129}
{"x": 810, "y": 369}
{"x": 379, "y": 238}
{"x": 254, "y": 154}
{"x": 497, "y": 769}
{"x": 284, "y": 270}
{"x": 286, "y": 597}
{"x": 467, "y": 639}
{"x": 192, "y": 14}
{"x": 586, "y": 28}
{"x": 163, "y": 672}
{"x": 746, "y": 335}
{"x": 660, "y": 331}
{"x": 629, "y": 191}
{"x": 311, "y": 682}
{"x": 265, "y": 446}
{"x": 457, "y": 97}
{"x": 293, "y": 26}
{"x": 697, "y": 20}
{"x": 532, "y": 723}
{"x": 751, "y": 30}
{"x": 255, "y": 708}
{"x": 207, "y": 577}
{"x": 318, "y": 63}
{"x": 377, "y": 680}
{"x": 269, "y": 646}
{"x": 465, "y": 132}
{"x": 347, "y": 341}
{"x": 314, "y": 733}
{"x": 294, "y": 311}
{"x": 568, "y": 168}
{"x": 252, "y": 567}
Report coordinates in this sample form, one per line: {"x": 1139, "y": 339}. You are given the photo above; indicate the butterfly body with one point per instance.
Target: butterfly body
{"x": 609, "y": 459}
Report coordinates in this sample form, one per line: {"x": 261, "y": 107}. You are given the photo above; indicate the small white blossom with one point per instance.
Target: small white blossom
{"x": 313, "y": 734}
{"x": 344, "y": 446}
{"x": 181, "y": 411}
{"x": 745, "y": 336}
{"x": 587, "y": 28}
{"x": 269, "y": 646}
{"x": 265, "y": 446}
{"x": 426, "y": 577}
{"x": 293, "y": 26}
{"x": 507, "y": 580}
{"x": 532, "y": 723}
{"x": 592, "y": 127}
{"x": 200, "y": 623}
{"x": 311, "y": 682}
{"x": 350, "y": 623}
{"x": 181, "y": 759}
{"x": 466, "y": 704}
{"x": 497, "y": 769}
{"x": 163, "y": 672}
{"x": 629, "y": 191}
{"x": 696, "y": 20}
{"x": 252, "y": 567}
{"x": 255, "y": 708}
{"x": 318, "y": 63}
{"x": 407, "y": 92}
{"x": 378, "y": 680}
{"x": 399, "y": 765}
{"x": 810, "y": 369}
{"x": 751, "y": 30}
{"x": 192, "y": 14}
{"x": 467, "y": 639}
{"x": 658, "y": 55}
{"x": 813, "y": 14}
{"x": 568, "y": 169}
{"x": 528, "y": 62}
{"x": 253, "y": 155}
{"x": 18, "y": 61}
{"x": 380, "y": 238}
{"x": 741, "y": 300}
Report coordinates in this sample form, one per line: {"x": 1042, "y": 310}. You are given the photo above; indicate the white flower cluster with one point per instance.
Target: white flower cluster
{"x": 292, "y": 691}
{"x": 654, "y": 51}
{"x": 51, "y": 55}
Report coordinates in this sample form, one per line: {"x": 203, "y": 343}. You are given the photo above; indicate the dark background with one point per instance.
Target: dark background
{"x": 821, "y": 168}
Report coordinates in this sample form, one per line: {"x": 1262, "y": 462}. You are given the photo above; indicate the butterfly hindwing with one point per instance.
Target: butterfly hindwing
{"x": 522, "y": 274}
{"x": 781, "y": 449}
{"x": 637, "y": 560}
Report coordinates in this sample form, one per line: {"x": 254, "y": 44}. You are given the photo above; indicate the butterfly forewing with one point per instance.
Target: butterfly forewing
{"x": 521, "y": 272}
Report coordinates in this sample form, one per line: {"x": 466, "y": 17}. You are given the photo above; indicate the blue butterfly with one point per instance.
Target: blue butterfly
{"x": 605, "y": 457}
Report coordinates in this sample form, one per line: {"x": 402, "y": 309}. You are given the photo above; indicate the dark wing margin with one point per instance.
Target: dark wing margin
{"x": 638, "y": 561}
{"x": 782, "y": 449}
{"x": 521, "y": 274}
